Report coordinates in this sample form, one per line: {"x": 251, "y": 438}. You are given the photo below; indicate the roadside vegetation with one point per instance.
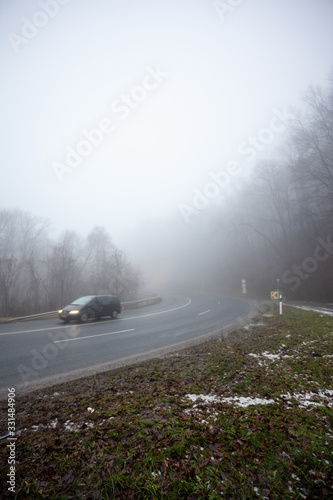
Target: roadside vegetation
{"x": 244, "y": 416}
{"x": 38, "y": 274}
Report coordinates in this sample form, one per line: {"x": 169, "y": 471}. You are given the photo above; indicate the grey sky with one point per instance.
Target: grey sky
{"x": 174, "y": 87}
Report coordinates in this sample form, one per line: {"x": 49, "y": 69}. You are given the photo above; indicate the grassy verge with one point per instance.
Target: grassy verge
{"x": 33, "y": 318}
{"x": 249, "y": 416}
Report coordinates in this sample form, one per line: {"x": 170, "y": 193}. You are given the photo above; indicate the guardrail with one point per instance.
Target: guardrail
{"x": 141, "y": 303}
{"x": 135, "y": 304}
{"x": 32, "y": 316}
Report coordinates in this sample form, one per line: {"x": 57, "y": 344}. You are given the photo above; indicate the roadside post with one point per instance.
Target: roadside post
{"x": 244, "y": 286}
{"x": 279, "y": 294}
{"x": 280, "y": 298}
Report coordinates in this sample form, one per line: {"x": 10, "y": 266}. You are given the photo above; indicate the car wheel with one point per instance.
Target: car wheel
{"x": 114, "y": 315}
{"x": 65, "y": 320}
{"x": 87, "y": 315}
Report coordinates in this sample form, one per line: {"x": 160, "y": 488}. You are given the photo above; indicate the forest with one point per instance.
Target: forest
{"x": 38, "y": 274}
{"x": 277, "y": 223}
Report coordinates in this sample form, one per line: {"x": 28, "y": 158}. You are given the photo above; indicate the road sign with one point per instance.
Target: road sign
{"x": 275, "y": 295}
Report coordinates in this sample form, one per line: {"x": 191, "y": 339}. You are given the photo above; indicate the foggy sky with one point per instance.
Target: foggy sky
{"x": 173, "y": 87}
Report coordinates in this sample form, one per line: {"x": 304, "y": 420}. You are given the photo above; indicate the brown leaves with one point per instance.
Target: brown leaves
{"x": 147, "y": 441}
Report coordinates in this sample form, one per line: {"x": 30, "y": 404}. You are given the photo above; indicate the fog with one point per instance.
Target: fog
{"x": 173, "y": 125}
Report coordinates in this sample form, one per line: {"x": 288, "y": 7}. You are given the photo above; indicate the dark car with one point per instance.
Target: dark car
{"x": 91, "y": 307}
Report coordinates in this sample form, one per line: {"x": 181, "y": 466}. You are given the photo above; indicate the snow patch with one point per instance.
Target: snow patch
{"x": 311, "y": 398}
{"x": 322, "y": 310}
{"x": 51, "y": 425}
{"x": 320, "y": 398}
{"x": 252, "y": 325}
{"x": 272, "y": 357}
{"x": 237, "y": 400}
{"x": 72, "y": 427}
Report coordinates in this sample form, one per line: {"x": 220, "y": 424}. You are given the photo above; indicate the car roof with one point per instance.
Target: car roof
{"x": 96, "y": 295}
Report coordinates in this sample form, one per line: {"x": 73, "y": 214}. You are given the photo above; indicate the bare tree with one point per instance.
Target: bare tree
{"x": 312, "y": 137}
{"x": 22, "y": 238}
{"x": 37, "y": 274}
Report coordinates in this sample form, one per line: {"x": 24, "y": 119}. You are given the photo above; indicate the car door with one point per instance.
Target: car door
{"x": 98, "y": 307}
{"x": 105, "y": 305}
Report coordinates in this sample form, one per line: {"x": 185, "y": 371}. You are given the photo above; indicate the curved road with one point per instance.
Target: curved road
{"x": 40, "y": 353}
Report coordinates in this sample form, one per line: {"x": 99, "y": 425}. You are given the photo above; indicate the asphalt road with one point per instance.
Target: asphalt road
{"x": 41, "y": 353}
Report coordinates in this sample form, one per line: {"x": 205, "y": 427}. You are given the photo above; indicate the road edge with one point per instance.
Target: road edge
{"x": 83, "y": 373}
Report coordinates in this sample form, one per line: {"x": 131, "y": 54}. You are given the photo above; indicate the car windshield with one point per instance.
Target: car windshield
{"x": 83, "y": 300}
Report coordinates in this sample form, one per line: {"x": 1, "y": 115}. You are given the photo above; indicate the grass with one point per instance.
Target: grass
{"x": 153, "y": 433}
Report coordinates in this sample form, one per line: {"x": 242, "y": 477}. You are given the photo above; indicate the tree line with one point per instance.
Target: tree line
{"x": 38, "y": 274}
{"x": 278, "y": 222}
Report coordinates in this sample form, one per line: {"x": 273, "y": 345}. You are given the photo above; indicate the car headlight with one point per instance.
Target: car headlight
{"x": 60, "y": 311}
{"x": 74, "y": 312}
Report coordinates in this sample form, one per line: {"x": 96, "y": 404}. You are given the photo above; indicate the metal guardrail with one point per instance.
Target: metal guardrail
{"x": 141, "y": 303}
{"x": 135, "y": 304}
{"x": 32, "y": 316}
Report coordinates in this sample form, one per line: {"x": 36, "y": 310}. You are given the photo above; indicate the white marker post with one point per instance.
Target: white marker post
{"x": 281, "y": 303}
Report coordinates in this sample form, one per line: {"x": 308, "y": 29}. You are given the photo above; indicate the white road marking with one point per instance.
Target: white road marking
{"x": 64, "y": 326}
{"x": 38, "y": 330}
{"x": 205, "y": 312}
{"x": 92, "y": 336}
{"x": 160, "y": 312}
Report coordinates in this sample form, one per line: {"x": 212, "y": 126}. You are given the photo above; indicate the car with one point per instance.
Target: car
{"x": 91, "y": 307}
